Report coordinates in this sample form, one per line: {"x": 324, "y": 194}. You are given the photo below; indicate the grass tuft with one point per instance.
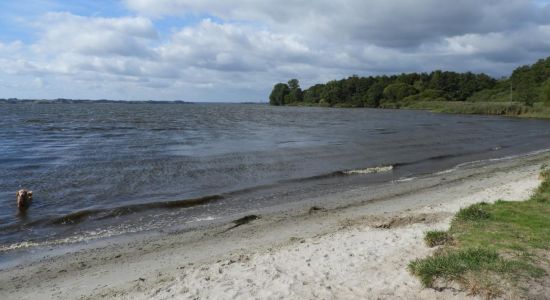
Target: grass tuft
{"x": 452, "y": 265}
{"x": 469, "y": 267}
{"x": 543, "y": 192}
{"x": 437, "y": 238}
{"x": 476, "y": 212}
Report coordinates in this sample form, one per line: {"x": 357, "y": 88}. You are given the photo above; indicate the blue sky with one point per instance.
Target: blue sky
{"x": 235, "y": 50}
{"x": 16, "y": 15}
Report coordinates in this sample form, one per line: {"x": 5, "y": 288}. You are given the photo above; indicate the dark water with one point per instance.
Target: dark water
{"x": 103, "y": 169}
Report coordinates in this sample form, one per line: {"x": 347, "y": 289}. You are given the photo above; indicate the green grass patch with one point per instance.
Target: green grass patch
{"x": 538, "y": 111}
{"x": 479, "y": 108}
{"x": 483, "y": 108}
{"x": 497, "y": 248}
{"x": 437, "y": 238}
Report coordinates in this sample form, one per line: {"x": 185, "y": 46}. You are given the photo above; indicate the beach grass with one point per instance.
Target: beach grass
{"x": 499, "y": 248}
{"x": 476, "y": 212}
{"x": 500, "y": 108}
{"x": 437, "y": 238}
{"x": 479, "y": 108}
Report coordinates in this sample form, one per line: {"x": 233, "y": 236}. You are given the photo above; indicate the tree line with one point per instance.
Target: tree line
{"x": 527, "y": 84}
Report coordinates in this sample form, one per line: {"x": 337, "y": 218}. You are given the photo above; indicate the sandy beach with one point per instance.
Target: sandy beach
{"x": 351, "y": 245}
{"x": 304, "y": 150}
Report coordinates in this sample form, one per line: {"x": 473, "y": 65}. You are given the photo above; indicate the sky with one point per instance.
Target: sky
{"x": 236, "y": 50}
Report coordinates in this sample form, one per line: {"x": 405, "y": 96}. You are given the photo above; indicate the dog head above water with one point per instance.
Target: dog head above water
{"x": 24, "y": 199}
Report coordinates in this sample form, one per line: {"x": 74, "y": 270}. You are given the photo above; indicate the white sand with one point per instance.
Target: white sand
{"x": 355, "y": 262}
{"x": 357, "y": 249}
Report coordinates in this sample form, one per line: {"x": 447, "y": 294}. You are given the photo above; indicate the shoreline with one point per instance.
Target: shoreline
{"x": 385, "y": 221}
{"x": 453, "y": 108}
{"x": 84, "y": 194}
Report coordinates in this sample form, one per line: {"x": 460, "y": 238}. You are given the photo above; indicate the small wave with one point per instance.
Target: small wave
{"x": 167, "y": 129}
{"x": 209, "y": 218}
{"x": 4, "y": 248}
{"x": 86, "y": 236}
{"x": 120, "y": 211}
{"x": 102, "y": 128}
{"x": 75, "y": 217}
{"x": 79, "y": 238}
{"x": 447, "y": 171}
{"x": 101, "y": 214}
{"x": 476, "y": 163}
{"x": 287, "y": 142}
{"x": 509, "y": 157}
{"x": 405, "y": 179}
{"x": 385, "y": 131}
{"x": 370, "y": 170}
{"x": 380, "y": 169}
{"x": 433, "y": 158}
{"x": 37, "y": 121}
{"x": 53, "y": 128}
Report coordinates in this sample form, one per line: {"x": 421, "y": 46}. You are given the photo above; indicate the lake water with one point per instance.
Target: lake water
{"x": 105, "y": 169}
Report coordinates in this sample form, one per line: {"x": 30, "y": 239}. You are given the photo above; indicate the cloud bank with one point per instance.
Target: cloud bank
{"x": 235, "y": 50}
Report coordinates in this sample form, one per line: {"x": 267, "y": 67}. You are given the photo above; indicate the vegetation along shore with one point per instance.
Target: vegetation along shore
{"x": 526, "y": 92}
{"x": 497, "y": 249}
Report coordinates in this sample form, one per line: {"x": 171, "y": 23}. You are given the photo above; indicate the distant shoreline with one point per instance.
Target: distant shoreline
{"x": 86, "y": 101}
{"x": 92, "y": 101}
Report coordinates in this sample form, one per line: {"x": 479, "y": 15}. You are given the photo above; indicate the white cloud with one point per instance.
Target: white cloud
{"x": 531, "y": 42}
{"x": 64, "y": 32}
{"x": 395, "y": 23}
{"x": 11, "y": 48}
{"x": 242, "y": 47}
{"x": 228, "y": 47}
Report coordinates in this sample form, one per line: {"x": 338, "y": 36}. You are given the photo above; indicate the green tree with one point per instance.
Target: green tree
{"x": 529, "y": 86}
{"x": 332, "y": 93}
{"x": 295, "y": 92}
{"x": 313, "y": 94}
{"x": 278, "y": 94}
{"x": 545, "y": 93}
{"x": 293, "y": 84}
{"x": 374, "y": 94}
{"x": 529, "y": 81}
{"x": 525, "y": 85}
{"x": 396, "y": 92}
{"x": 430, "y": 94}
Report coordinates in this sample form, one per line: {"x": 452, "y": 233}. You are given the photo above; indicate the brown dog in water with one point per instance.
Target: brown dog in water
{"x": 24, "y": 199}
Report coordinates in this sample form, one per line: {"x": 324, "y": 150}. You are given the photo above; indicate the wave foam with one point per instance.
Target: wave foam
{"x": 379, "y": 169}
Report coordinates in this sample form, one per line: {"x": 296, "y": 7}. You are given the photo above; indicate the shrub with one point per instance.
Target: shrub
{"x": 324, "y": 103}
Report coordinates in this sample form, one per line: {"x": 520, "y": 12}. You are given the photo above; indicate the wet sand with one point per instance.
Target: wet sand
{"x": 355, "y": 244}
